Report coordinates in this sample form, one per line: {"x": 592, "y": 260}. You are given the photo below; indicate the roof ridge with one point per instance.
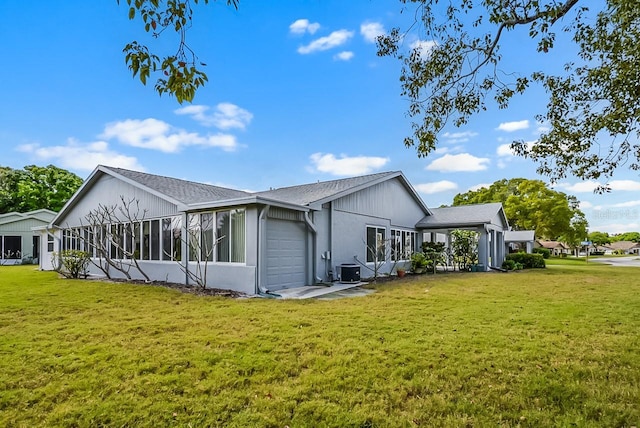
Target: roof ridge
{"x": 199, "y": 183}
{"x": 377, "y": 174}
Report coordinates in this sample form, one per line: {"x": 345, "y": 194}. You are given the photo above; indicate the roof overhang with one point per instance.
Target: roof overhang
{"x": 249, "y": 200}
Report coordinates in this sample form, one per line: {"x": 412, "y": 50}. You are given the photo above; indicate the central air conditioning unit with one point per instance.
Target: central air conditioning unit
{"x": 349, "y": 273}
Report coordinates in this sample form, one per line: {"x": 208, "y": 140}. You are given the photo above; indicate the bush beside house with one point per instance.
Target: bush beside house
{"x": 528, "y": 261}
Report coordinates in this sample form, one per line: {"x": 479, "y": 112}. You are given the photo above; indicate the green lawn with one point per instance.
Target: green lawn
{"x": 554, "y": 347}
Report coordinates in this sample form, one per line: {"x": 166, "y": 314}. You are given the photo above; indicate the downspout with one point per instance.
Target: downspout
{"x": 314, "y": 244}
{"x": 260, "y": 289}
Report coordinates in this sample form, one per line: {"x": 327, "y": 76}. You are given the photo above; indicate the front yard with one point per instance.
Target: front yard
{"x": 553, "y": 347}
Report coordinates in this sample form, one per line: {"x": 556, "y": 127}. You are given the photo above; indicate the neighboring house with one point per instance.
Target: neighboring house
{"x": 600, "y": 249}
{"x": 557, "y": 248}
{"x": 18, "y": 241}
{"x": 520, "y": 240}
{"x": 266, "y": 241}
{"x": 626, "y": 247}
{"x": 488, "y": 220}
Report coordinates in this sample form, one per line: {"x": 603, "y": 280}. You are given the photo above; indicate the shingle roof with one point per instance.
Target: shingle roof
{"x": 519, "y": 235}
{"x": 187, "y": 192}
{"x": 463, "y": 215}
{"x": 624, "y": 245}
{"x": 309, "y": 193}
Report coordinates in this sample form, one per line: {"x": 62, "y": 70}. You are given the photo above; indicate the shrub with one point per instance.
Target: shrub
{"x": 509, "y": 264}
{"x": 528, "y": 261}
{"x": 418, "y": 262}
{"x": 73, "y": 263}
{"x": 546, "y": 253}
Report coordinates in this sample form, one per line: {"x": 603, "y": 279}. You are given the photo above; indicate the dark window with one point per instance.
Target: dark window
{"x": 36, "y": 247}
{"x": 375, "y": 244}
{"x": 155, "y": 239}
{"x": 49, "y": 244}
{"x": 146, "y": 232}
{"x": 12, "y": 247}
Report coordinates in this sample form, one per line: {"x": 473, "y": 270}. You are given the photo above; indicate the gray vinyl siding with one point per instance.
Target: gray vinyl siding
{"x": 387, "y": 200}
{"x": 107, "y": 191}
{"x": 22, "y": 226}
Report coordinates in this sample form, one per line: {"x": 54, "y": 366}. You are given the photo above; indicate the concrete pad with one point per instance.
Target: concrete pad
{"x": 312, "y": 291}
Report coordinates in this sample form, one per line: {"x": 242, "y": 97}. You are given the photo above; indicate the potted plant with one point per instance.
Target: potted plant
{"x": 400, "y": 271}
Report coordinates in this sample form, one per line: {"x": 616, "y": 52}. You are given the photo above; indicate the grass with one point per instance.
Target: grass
{"x": 554, "y": 347}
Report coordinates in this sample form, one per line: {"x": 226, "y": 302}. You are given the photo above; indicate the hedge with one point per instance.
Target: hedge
{"x": 528, "y": 261}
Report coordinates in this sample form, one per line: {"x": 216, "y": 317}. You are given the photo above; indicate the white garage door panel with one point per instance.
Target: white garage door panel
{"x": 286, "y": 248}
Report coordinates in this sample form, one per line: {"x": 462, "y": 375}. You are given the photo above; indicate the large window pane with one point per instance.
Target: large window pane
{"x": 194, "y": 236}
{"x": 222, "y": 235}
{"x": 155, "y": 239}
{"x": 176, "y": 227}
{"x": 146, "y": 238}
{"x": 12, "y": 247}
{"x": 166, "y": 239}
{"x": 206, "y": 237}
{"x": 375, "y": 244}
{"x": 238, "y": 236}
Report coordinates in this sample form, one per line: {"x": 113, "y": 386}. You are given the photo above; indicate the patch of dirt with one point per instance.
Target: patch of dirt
{"x": 214, "y": 292}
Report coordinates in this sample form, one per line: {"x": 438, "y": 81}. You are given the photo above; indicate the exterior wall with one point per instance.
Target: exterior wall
{"x": 342, "y": 226}
{"x": 22, "y": 228}
{"x": 388, "y": 200}
{"x": 107, "y": 191}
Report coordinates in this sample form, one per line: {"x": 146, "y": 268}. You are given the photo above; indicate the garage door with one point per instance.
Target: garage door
{"x": 286, "y": 250}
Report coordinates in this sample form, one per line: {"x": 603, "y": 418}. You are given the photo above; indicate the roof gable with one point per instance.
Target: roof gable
{"x": 316, "y": 194}
{"x": 463, "y": 215}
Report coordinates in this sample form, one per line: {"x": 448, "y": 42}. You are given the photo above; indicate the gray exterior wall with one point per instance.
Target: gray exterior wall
{"x": 21, "y": 228}
{"x": 107, "y": 191}
{"x": 342, "y": 225}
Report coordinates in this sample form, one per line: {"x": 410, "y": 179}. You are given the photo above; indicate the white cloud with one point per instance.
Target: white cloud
{"x": 504, "y": 150}
{"x": 478, "y": 187}
{"x": 333, "y": 40}
{"x": 625, "y": 185}
{"x": 343, "y": 56}
{"x": 513, "y": 126}
{"x": 158, "y": 135}
{"x": 345, "y": 166}
{"x": 627, "y": 204}
{"x": 302, "y": 26}
{"x": 458, "y": 137}
{"x": 581, "y": 187}
{"x": 584, "y": 205}
{"x": 590, "y": 186}
{"x": 226, "y": 116}
{"x": 463, "y": 162}
{"x": 615, "y": 228}
{"x": 371, "y": 30}
{"x": 423, "y": 47}
{"x": 81, "y": 156}
{"x": 436, "y": 187}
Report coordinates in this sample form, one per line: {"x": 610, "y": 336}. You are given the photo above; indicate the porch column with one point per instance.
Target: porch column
{"x": 501, "y": 249}
{"x": 483, "y": 248}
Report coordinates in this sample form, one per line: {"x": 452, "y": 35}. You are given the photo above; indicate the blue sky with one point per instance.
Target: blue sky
{"x": 296, "y": 94}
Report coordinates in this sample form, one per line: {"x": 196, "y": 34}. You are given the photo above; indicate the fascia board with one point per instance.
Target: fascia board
{"x": 245, "y": 201}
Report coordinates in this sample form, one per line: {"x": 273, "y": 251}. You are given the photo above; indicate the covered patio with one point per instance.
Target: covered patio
{"x": 487, "y": 220}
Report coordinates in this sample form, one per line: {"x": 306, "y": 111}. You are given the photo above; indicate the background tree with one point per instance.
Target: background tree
{"x": 36, "y": 187}
{"x": 530, "y": 204}
{"x": 180, "y": 72}
{"x": 627, "y": 236}
{"x": 599, "y": 238}
{"x": 593, "y": 106}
